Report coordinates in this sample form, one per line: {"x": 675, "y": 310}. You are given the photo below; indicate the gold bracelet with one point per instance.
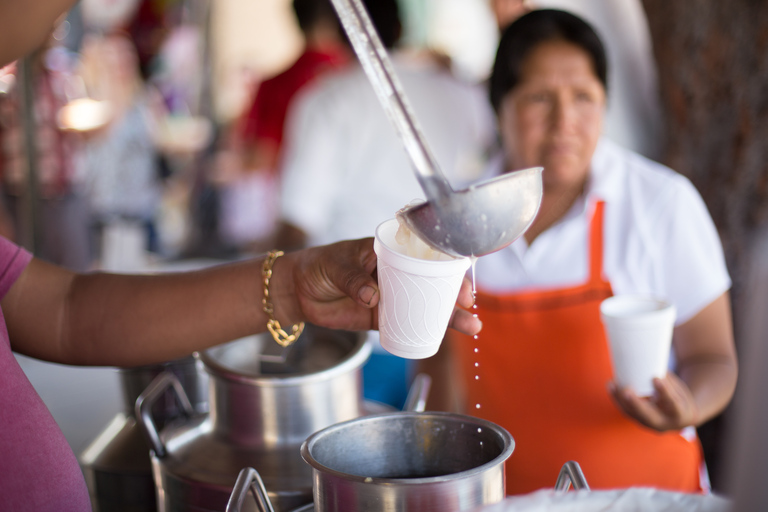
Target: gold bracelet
{"x": 275, "y": 329}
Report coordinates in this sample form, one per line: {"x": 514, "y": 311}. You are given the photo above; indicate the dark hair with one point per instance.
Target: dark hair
{"x": 310, "y": 12}
{"x": 385, "y": 16}
{"x": 529, "y": 31}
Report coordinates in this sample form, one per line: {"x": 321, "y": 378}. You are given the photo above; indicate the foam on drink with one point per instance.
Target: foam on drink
{"x": 411, "y": 245}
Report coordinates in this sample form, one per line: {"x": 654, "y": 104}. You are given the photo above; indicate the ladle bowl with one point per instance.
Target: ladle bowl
{"x": 483, "y": 218}
{"x": 476, "y": 221}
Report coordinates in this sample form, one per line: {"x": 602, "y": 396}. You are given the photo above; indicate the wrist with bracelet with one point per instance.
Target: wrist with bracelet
{"x": 280, "y": 335}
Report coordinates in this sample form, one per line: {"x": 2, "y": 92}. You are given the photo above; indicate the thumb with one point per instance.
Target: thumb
{"x": 367, "y": 294}
{"x": 359, "y": 282}
{"x": 350, "y": 268}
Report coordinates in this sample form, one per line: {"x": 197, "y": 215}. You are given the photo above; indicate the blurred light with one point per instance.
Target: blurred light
{"x": 59, "y": 59}
{"x": 62, "y": 31}
{"x": 7, "y": 78}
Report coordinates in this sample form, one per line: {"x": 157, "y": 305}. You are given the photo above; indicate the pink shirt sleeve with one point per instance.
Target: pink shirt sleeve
{"x": 13, "y": 261}
{"x": 38, "y": 470}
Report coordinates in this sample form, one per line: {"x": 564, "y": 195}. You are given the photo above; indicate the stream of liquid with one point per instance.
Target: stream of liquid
{"x": 476, "y": 349}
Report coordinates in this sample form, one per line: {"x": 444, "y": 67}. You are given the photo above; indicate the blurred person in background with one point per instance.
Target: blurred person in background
{"x": 633, "y": 116}
{"x": 122, "y": 177}
{"x": 507, "y": 11}
{"x": 324, "y": 50}
{"x": 250, "y": 200}
{"x": 61, "y": 206}
{"x": 610, "y": 222}
{"x": 344, "y": 169}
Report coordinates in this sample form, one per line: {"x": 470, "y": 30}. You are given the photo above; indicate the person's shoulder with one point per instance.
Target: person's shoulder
{"x": 437, "y": 76}
{"x": 639, "y": 176}
{"x": 332, "y": 100}
{"x": 337, "y": 86}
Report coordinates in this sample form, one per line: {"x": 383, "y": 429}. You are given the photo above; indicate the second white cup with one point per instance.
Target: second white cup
{"x": 639, "y": 331}
{"x": 417, "y": 295}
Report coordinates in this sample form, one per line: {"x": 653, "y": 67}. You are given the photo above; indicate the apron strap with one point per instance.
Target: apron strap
{"x": 596, "y": 244}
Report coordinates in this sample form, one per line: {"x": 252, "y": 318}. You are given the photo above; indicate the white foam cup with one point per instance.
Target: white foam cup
{"x": 639, "y": 331}
{"x": 417, "y": 295}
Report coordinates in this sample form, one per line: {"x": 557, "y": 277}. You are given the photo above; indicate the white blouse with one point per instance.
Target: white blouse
{"x": 659, "y": 238}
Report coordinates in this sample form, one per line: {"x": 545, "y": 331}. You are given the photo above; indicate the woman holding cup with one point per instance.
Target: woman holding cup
{"x": 610, "y": 223}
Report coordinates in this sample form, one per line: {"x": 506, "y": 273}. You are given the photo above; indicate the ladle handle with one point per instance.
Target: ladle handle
{"x": 147, "y": 399}
{"x": 377, "y": 66}
{"x": 416, "y": 401}
{"x": 571, "y": 474}
{"x": 249, "y": 479}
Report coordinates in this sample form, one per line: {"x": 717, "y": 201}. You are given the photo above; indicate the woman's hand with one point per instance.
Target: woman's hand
{"x": 705, "y": 374}
{"x": 335, "y": 286}
{"x": 671, "y": 408}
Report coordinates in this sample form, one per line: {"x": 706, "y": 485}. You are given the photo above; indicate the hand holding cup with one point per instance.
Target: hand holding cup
{"x": 639, "y": 331}
{"x": 418, "y": 294}
{"x": 671, "y": 408}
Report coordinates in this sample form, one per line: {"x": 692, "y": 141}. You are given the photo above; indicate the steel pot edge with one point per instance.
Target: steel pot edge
{"x": 506, "y": 438}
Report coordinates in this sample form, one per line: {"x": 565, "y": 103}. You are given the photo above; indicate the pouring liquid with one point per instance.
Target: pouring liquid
{"x": 476, "y": 349}
{"x": 418, "y": 248}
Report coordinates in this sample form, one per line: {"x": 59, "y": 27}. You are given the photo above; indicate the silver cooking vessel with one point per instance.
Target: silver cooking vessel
{"x": 260, "y": 413}
{"x": 412, "y": 461}
{"x": 116, "y": 463}
{"x": 250, "y": 482}
{"x": 408, "y": 462}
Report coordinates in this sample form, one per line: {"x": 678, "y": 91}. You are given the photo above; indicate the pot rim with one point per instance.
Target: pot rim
{"x": 355, "y": 359}
{"x": 507, "y": 439}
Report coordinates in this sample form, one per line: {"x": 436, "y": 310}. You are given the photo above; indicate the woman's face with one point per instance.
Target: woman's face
{"x": 553, "y": 117}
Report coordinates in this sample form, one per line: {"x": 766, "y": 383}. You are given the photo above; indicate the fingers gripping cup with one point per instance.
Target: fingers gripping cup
{"x": 418, "y": 288}
{"x": 639, "y": 331}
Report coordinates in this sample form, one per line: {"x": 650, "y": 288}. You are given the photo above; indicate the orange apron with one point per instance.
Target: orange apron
{"x": 542, "y": 367}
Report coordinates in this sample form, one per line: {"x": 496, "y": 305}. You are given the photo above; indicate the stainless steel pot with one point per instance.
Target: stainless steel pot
{"x": 260, "y": 413}
{"x": 408, "y": 461}
{"x": 116, "y": 464}
{"x": 249, "y": 481}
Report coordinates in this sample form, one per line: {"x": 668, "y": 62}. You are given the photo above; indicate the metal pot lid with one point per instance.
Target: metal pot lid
{"x": 195, "y": 453}
{"x": 319, "y": 353}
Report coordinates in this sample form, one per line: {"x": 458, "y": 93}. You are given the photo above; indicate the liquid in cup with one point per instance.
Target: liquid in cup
{"x": 639, "y": 332}
{"x": 418, "y": 293}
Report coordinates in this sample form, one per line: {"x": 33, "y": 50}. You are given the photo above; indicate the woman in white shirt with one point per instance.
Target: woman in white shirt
{"x": 611, "y": 222}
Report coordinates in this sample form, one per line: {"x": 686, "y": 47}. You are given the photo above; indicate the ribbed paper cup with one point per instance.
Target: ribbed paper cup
{"x": 639, "y": 330}
{"x": 417, "y": 296}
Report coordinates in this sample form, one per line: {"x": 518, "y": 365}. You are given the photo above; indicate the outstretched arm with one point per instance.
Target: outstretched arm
{"x": 121, "y": 320}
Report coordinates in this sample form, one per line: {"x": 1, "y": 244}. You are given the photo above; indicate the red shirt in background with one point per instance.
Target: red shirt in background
{"x": 266, "y": 115}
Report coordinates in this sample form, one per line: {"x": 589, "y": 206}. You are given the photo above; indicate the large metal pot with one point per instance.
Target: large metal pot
{"x": 408, "y": 461}
{"x": 260, "y": 413}
{"x": 249, "y": 482}
{"x": 116, "y": 464}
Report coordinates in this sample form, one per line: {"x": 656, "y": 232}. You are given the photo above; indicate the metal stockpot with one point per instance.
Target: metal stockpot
{"x": 260, "y": 413}
{"x": 249, "y": 481}
{"x": 116, "y": 464}
{"x": 408, "y": 461}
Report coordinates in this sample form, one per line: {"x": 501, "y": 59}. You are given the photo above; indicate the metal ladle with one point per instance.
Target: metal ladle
{"x": 483, "y": 218}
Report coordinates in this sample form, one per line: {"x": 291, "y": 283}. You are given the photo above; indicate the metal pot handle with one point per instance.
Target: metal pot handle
{"x": 145, "y": 401}
{"x": 416, "y": 401}
{"x": 571, "y": 474}
{"x": 249, "y": 479}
